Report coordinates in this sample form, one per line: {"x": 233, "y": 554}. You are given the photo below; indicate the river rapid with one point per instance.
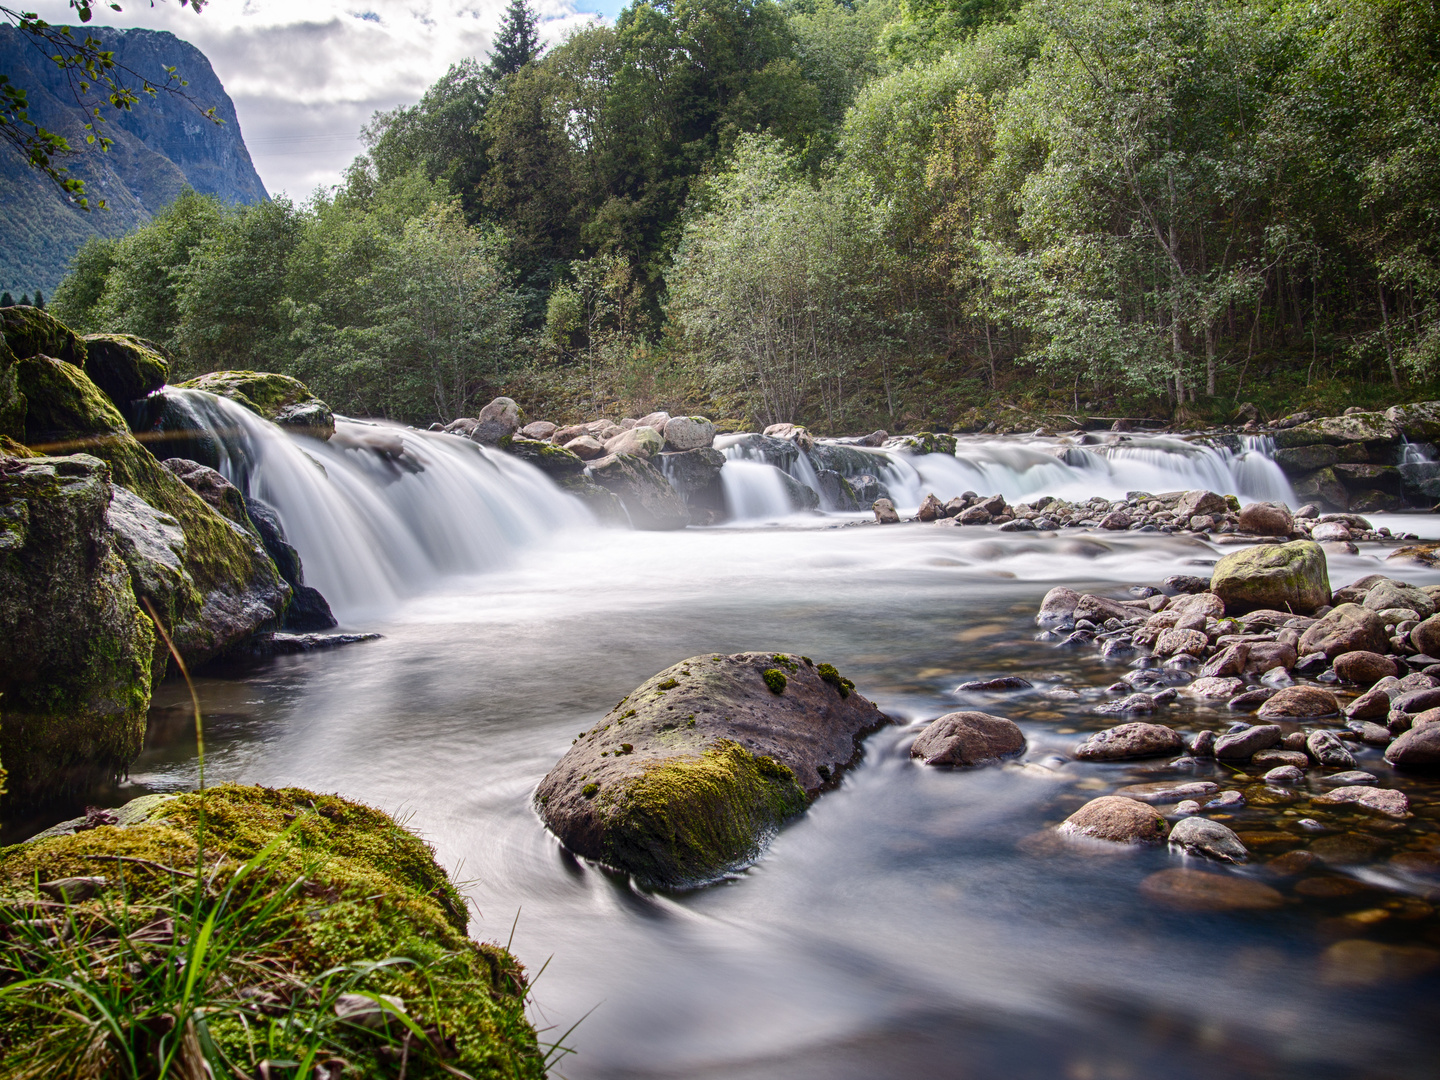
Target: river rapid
{"x": 914, "y": 922}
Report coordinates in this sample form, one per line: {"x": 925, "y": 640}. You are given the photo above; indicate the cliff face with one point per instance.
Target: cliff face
{"x": 161, "y": 145}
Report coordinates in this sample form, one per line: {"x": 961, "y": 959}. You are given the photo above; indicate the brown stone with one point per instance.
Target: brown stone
{"x": 1426, "y": 636}
{"x": 1228, "y": 661}
{"x": 1364, "y": 668}
{"x": 586, "y": 448}
{"x": 1176, "y": 641}
{"x": 1243, "y": 745}
{"x": 1266, "y": 519}
{"x": 1372, "y": 705}
{"x": 1221, "y": 688}
{"x": 968, "y": 738}
{"x": 1117, "y": 820}
{"x": 1348, "y": 628}
{"x": 1275, "y": 758}
{"x": 885, "y": 512}
{"x": 932, "y": 509}
{"x": 1386, "y": 801}
{"x": 1166, "y": 791}
{"x": 1199, "y": 890}
{"x": 1133, "y": 740}
{"x": 1264, "y": 655}
{"x": 1418, "y": 748}
{"x": 1301, "y": 701}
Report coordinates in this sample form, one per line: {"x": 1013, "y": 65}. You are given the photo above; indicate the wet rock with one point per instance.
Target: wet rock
{"x": 1117, "y": 820}
{"x": 586, "y": 447}
{"x": 1266, "y": 519}
{"x": 1226, "y": 800}
{"x": 1242, "y": 745}
{"x": 263, "y": 646}
{"x": 1203, "y": 745}
{"x": 1194, "y": 503}
{"x": 1373, "y": 705}
{"x": 931, "y": 509}
{"x": 1186, "y": 808}
{"x": 1134, "y": 740}
{"x": 885, "y": 512}
{"x": 1364, "y": 668}
{"x": 546, "y": 456}
{"x": 1301, "y": 702}
{"x": 1250, "y": 700}
{"x": 1164, "y": 791}
{"x": 1298, "y": 758}
{"x": 1116, "y": 520}
{"x": 1386, "y": 594}
{"x": 308, "y": 611}
{"x": 1327, "y": 749}
{"x": 1418, "y": 748}
{"x": 1330, "y": 532}
{"x": 1385, "y": 801}
{"x": 1206, "y": 605}
{"x": 1175, "y": 641}
{"x": 126, "y": 367}
{"x": 1426, "y": 636}
{"x": 278, "y": 398}
{"x": 496, "y": 421}
{"x": 1230, "y": 660}
{"x": 1199, "y": 890}
{"x": 1290, "y": 577}
{"x": 1370, "y": 734}
{"x": 1005, "y": 682}
{"x": 695, "y": 474}
{"x": 1185, "y": 583}
{"x": 647, "y": 496}
{"x": 1219, "y": 688}
{"x": 1360, "y": 963}
{"x": 1201, "y": 836}
{"x": 1284, "y": 776}
{"x": 968, "y": 738}
{"x": 1348, "y": 779}
{"x": 1133, "y": 705}
{"x": 688, "y": 433}
{"x": 716, "y": 760}
{"x": 1267, "y": 655}
{"x": 1100, "y": 608}
{"x": 1347, "y": 628}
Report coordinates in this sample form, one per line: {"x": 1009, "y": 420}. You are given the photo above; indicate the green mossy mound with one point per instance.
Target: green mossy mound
{"x": 278, "y": 398}
{"x": 29, "y": 331}
{"x": 75, "y": 669}
{"x": 1281, "y": 577}
{"x": 124, "y": 366}
{"x": 347, "y": 887}
{"x": 233, "y": 588}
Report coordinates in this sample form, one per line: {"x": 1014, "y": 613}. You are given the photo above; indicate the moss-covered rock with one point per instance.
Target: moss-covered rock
{"x": 278, "y": 398}
{"x": 1324, "y": 487}
{"x": 545, "y": 456}
{"x": 647, "y": 496}
{"x": 347, "y": 885}
{"x": 1370, "y": 428}
{"x": 1418, "y": 422}
{"x": 237, "y": 590}
{"x": 29, "y": 331}
{"x": 75, "y": 649}
{"x": 126, "y": 367}
{"x": 1278, "y": 577}
{"x": 12, "y": 402}
{"x": 689, "y": 776}
{"x": 922, "y": 442}
{"x": 602, "y": 502}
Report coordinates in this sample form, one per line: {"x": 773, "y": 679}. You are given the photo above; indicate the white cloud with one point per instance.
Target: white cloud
{"x": 306, "y": 74}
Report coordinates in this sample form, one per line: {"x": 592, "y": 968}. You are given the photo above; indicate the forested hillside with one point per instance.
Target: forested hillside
{"x": 851, "y": 214}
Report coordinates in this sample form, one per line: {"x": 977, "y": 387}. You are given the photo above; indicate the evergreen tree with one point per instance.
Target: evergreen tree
{"x": 39, "y": 300}
{"x": 6, "y": 300}
{"x": 516, "y": 45}
{"x": 25, "y": 300}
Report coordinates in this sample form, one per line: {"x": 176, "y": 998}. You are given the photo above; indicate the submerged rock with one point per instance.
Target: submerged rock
{"x": 1200, "y": 890}
{"x": 689, "y": 775}
{"x": 75, "y": 648}
{"x": 968, "y": 738}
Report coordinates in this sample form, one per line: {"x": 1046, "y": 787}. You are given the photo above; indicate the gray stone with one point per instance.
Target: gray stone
{"x": 968, "y": 738}
{"x": 1242, "y": 745}
{"x": 1201, "y": 836}
{"x": 1134, "y": 740}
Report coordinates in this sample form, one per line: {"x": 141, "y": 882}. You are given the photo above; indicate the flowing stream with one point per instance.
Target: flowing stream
{"x": 910, "y": 923}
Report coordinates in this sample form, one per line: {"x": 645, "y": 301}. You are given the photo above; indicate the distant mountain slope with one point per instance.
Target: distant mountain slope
{"x": 161, "y": 145}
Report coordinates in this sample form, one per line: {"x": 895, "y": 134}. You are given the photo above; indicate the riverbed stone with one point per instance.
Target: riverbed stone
{"x": 1387, "y": 594}
{"x": 1364, "y": 668}
{"x": 1194, "y": 503}
{"x": 1418, "y": 748}
{"x": 1284, "y": 776}
{"x": 1199, "y": 890}
{"x": 1058, "y": 607}
{"x": 1327, "y": 750}
{"x": 1291, "y": 577}
{"x": 692, "y": 772}
{"x": 641, "y": 441}
{"x": 1266, "y": 656}
{"x": 1281, "y": 757}
{"x": 280, "y": 399}
{"x": 1347, "y": 628}
{"x": 1374, "y": 704}
{"x": 539, "y": 429}
{"x": 644, "y": 492}
{"x": 1301, "y": 702}
{"x": 1166, "y": 791}
{"x": 1242, "y": 745}
{"x": 1266, "y": 519}
{"x": 1385, "y": 801}
{"x": 1201, "y": 836}
{"x": 75, "y": 667}
{"x": 1222, "y": 688}
{"x": 1175, "y": 641}
{"x": 688, "y": 433}
{"x": 968, "y": 738}
{"x": 1228, "y": 661}
{"x": 1426, "y": 636}
{"x": 1133, "y": 740}
{"x": 586, "y": 447}
{"x": 546, "y": 456}
{"x": 1117, "y": 820}
{"x": 885, "y": 512}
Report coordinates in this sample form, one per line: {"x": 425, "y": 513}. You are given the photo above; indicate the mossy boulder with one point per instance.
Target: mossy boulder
{"x": 75, "y": 649}
{"x": 345, "y": 885}
{"x": 12, "y": 402}
{"x": 1279, "y": 577}
{"x": 695, "y": 474}
{"x": 1369, "y": 428}
{"x": 235, "y": 589}
{"x": 29, "y": 331}
{"x": 922, "y": 442}
{"x": 1418, "y": 422}
{"x": 689, "y": 776}
{"x": 545, "y": 456}
{"x": 278, "y": 398}
{"x": 1323, "y": 486}
{"x": 648, "y": 498}
{"x": 126, "y": 367}
{"x": 602, "y": 502}
{"x": 1299, "y": 460}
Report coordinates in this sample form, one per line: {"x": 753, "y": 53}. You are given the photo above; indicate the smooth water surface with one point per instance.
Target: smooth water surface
{"x": 911, "y": 923}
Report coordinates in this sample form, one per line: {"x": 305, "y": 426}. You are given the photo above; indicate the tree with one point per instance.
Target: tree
{"x": 516, "y": 45}
{"x": 76, "y": 300}
{"x": 88, "y": 66}
{"x": 6, "y": 300}
{"x": 39, "y": 300}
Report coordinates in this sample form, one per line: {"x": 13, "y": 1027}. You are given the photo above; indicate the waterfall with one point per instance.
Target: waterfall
{"x": 754, "y": 491}
{"x": 382, "y": 512}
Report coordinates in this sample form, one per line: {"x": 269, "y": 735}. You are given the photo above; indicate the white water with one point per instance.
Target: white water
{"x": 754, "y": 491}
{"x": 381, "y": 512}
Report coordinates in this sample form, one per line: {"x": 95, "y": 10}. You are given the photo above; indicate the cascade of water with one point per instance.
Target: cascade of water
{"x": 754, "y": 489}
{"x": 381, "y": 512}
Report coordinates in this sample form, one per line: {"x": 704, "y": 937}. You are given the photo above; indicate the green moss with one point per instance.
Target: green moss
{"x": 124, "y": 366}
{"x": 28, "y": 331}
{"x": 786, "y": 662}
{"x": 367, "y": 890}
{"x": 65, "y": 411}
{"x": 774, "y": 679}
{"x": 590, "y": 790}
{"x": 668, "y": 684}
{"x": 689, "y": 820}
{"x": 263, "y": 393}
{"x": 835, "y": 679}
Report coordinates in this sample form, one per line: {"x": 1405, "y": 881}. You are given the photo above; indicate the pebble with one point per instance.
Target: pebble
{"x": 1327, "y": 749}
{"x": 1370, "y": 734}
{"x": 1250, "y": 700}
{"x": 1134, "y": 740}
{"x": 1203, "y": 745}
{"x": 1201, "y": 836}
{"x": 1006, "y": 682}
{"x": 1347, "y": 779}
{"x": 1169, "y": 791}
{"x": 1277, "y": 677}
{"x": 1242, "y": 745}
{"x": 1140, "y": 704}
{"x": 1298, "y": 758}
{"x": 1226, "y": 800}
{"x": 1186, "y": 808}
{"x": 1309, "y": 824}
{"x": 1285, "y": 775}
{"x": 1216, "y": 687}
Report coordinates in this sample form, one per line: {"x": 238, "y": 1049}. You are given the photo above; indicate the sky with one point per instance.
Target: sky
{"x": 306, "y": 75}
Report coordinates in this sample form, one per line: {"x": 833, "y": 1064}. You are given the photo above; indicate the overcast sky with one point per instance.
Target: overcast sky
{"x": 306, "y": 74}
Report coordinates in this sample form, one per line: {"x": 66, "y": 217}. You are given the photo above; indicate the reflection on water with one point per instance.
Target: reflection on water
{"x": 908, "y": 925}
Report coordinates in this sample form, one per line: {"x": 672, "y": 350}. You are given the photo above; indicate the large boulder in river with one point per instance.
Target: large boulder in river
{"x": 1348, "y": 628}
{"x": 688, "y": 433}
{"x": 545, "y": 456}
{"x": 233, "y": 590}
{"x": 1418, "y": 422}
{"x": 1117, "y": 820}
{"x": 641, "y": 441}
{"x": 693, "y": 771}
{"x": 1370, "y": 429}
{"x": 126, "y": 367}
{"x": 695, "y": 474}
{"x": 1284, "y": 577}
{"x": 32, "y": 331}
{"x": 75, "y": 648}
{"x": 968, "y": 738}
{"x": 645, "y": 493}
{"x": 278, "y": 398}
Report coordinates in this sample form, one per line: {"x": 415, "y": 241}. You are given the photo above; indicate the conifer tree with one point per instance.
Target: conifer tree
{"x": 6, "y": 300}
{"x": 516, "y": 45}
{"x": 39, "y": 300}
{"x": 25, "y": 300}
